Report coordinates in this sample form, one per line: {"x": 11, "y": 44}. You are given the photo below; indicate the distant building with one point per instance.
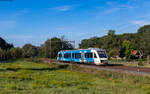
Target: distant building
{"x": 137, "y": 54}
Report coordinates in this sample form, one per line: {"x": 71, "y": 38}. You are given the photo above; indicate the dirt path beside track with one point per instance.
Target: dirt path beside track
{"x": 110, "y": 67}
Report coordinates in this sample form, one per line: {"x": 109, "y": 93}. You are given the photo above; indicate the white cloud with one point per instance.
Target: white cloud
{"x": 64, "y": 8}
{"x": 139, "y": 22}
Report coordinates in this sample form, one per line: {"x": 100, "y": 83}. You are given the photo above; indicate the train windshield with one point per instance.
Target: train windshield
{"x": 102, "y": 54}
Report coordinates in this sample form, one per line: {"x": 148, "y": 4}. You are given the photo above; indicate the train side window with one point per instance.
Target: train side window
{"x": 72, "y": 55}
{"x": 75, "y": 55}
{"x": 91, "y": 55}
{"x": 69, "y": 55}
{"x": 85, "y": 55}
{"x": 88, "y": 55}
{"x": 95, "y": 55}
{"x": 65, "y": 55}
{"x": 79, "y": 55}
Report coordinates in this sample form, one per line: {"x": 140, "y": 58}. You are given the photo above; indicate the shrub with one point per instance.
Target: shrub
{"x": 11, "y": 86}
{"x": 140, "y": 63}
{"x": 35, "y": 60}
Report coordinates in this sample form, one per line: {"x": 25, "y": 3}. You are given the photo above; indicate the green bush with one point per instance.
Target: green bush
{"x": 35, "y": 60}
{"x": 12, "y": 86}
{"x": 140, "y": 63}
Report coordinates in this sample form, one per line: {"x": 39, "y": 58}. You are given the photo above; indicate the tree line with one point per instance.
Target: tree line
{"x": 122, "y": 45}
{"x": 47, "y": 50}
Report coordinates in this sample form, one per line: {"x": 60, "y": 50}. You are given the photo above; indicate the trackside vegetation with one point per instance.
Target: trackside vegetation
{"x": 49, "y": 49}
{"x": 127, "y": 46}
{"x": 28, "y": 77}
{"x": 122, "y": 45}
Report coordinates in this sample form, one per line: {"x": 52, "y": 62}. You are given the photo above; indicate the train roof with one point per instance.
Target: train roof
{"x": 97, "y": 49}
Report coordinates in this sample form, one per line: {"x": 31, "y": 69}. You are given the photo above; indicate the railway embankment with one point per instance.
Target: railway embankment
{"x": 119, "y": 68}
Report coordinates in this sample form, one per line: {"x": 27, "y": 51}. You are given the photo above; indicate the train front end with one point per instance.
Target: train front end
{"x": 100, "y": 57}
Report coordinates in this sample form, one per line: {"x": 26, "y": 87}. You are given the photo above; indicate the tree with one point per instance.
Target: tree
{"x": 111, "y": 32}
{"x": 4, "y": 45}
{"x": 41, "y": 51}
{"x": 15, "y": 53}
{"x": 1, "y": 54}
{"x": 113, "y": 53}
{"x": 144, "y": 39}
{"x": 29, "y": 51}
{"x": 54, "y": 45}
{"x": 126, "y": 45}
{"x": 140, "y": 41}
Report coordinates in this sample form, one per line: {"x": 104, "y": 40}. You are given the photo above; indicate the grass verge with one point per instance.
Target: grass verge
{"x": 35, "y": 78}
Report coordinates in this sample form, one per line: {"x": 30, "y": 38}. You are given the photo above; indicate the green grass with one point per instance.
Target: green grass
{"x": 22, "y": 77}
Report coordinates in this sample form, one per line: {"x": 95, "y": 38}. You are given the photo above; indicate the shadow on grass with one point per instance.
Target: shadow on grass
{"x": 114, "y": 65}
{"x": 36, "y": 69}
{"x": 7, "y": 61}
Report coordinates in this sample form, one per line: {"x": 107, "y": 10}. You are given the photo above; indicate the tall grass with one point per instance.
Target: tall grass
{"x": 35, "y": 78}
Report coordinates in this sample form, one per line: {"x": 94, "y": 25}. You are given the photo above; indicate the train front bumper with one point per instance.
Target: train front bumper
{"x": 104, "y": 61}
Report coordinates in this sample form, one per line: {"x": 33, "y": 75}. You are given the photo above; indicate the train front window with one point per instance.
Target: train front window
{"x": 60, "y": 55}
{"x": 95, "y": 55}
{"x": 102, "y": 54}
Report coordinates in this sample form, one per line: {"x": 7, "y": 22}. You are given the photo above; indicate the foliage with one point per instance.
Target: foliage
{"x": 51, "y": 47}
{"x": 126, "y": 45}
{"x": 4, "y": 45}
{"x": 144, "y": 39}
{"x": 140, "y": 63}
{"x": 138, "y": 41}
{"x": 47, "y": 50}
{"x": 16, "y": 53}
{"x": 29, "y": 51}
{"x": 115, "y": 45}
{"x": 113, "y": 53}
{"x": 5, "y": 49}
{"x": 35, "y": 60}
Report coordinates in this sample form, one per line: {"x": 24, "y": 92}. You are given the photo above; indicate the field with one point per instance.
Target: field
{"x": 26, "y": 77}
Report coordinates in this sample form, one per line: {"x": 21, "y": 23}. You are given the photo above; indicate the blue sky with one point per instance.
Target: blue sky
{"x": 34, "y": 21}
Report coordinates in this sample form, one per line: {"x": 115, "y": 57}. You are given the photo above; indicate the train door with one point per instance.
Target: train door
{"x": 82, "y": 56}
{"x": 89, "y": 57}
{"x": 63, "y": 56}
{"x": 96, "y": 59}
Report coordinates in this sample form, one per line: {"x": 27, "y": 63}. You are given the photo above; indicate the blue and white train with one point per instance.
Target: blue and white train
{"x": 91, "y": 56}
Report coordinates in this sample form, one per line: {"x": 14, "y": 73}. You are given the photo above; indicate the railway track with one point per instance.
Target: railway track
{"x": 109, "y": 67}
